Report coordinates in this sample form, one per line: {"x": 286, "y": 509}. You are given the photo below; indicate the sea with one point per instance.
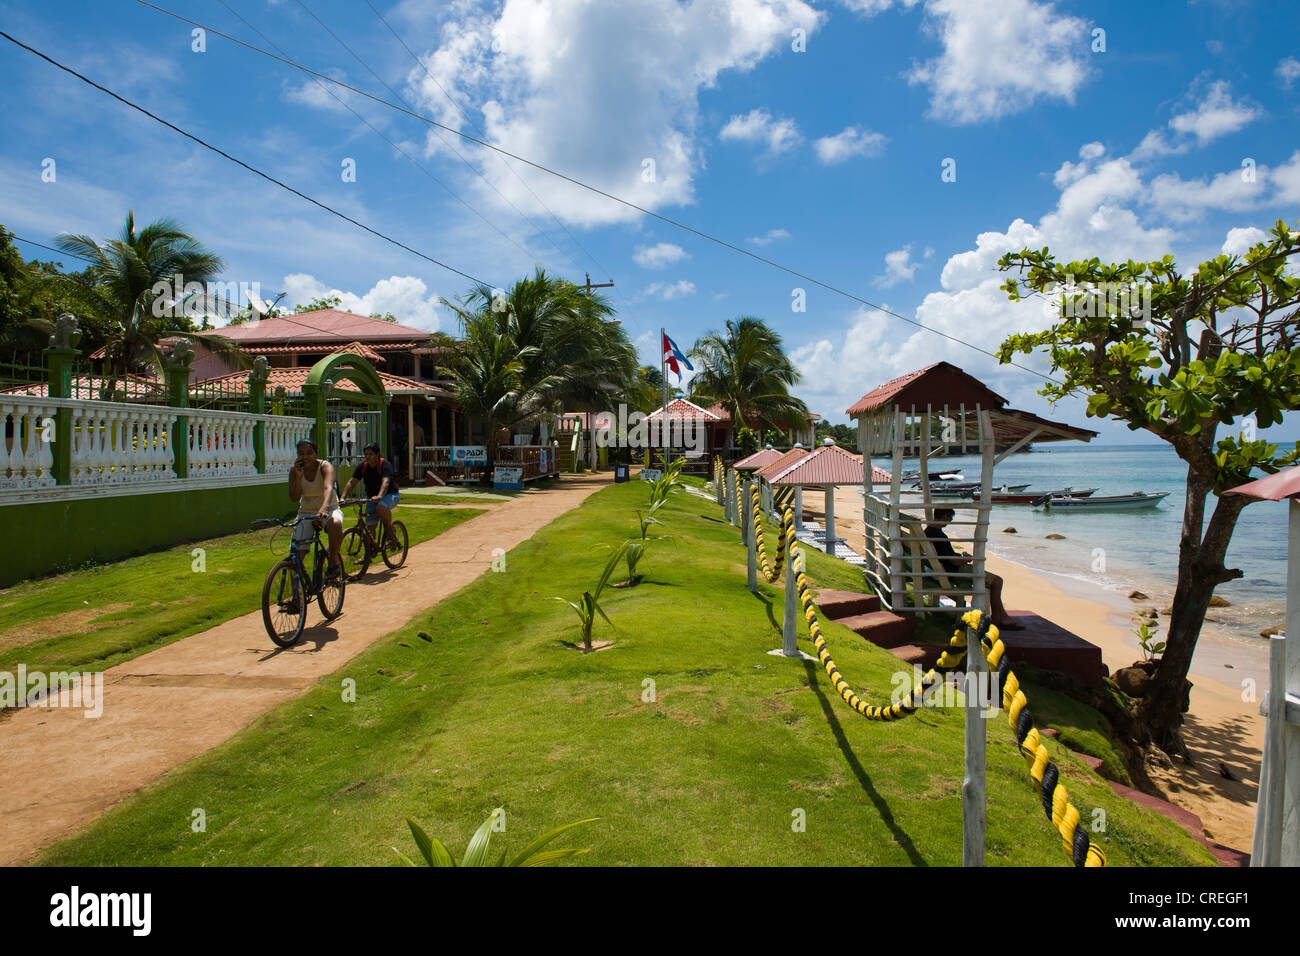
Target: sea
{"x": 1110, "y": 554}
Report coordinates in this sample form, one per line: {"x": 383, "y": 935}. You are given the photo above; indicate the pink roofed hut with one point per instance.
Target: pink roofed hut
{"x": 825, "y": 467}
{"x": 1277, "y": 815}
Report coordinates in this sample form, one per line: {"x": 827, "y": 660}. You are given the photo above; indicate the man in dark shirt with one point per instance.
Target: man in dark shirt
{"x": 955, "y": 563}
{"x": 380, "y": 480}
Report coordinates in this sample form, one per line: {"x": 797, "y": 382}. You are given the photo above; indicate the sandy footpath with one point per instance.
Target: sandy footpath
{"x": 1221, "y": 727}
{"x": 62, "y": 769}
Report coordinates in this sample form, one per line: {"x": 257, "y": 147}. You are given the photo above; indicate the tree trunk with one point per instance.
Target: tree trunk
{"x": 1200, "y": 570}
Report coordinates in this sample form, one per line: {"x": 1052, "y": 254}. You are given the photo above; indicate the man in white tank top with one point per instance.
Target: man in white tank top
{"x": 311, "y": 484}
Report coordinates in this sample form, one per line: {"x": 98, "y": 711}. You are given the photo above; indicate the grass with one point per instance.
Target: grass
{"x": 102, "y": 615}
{"x": 732, "y": 747}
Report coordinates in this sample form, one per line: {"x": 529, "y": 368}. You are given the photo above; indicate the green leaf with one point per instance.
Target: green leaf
{"x": 478, "y": 844}
{"x": 528, "y": 851}
{"x": 547, "y": 857}
{"x": 423, "y": 841}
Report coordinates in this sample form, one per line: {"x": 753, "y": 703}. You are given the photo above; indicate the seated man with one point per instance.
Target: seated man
{"x": 312, "y": 484}
{"x": 380, "y": 479}
{"x": 954, "y": 563}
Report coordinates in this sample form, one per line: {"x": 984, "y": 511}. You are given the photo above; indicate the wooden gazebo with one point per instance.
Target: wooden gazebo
{"x": 933, "y": 412}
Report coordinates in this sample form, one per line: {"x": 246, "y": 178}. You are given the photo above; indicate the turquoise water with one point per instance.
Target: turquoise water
{"x": 1140, "y": 547}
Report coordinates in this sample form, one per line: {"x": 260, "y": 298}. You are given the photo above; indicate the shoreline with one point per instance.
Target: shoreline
{"x": 1220, "y": 727}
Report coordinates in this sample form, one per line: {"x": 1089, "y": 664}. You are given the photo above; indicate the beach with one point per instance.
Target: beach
{"x": 1221, "y": 726}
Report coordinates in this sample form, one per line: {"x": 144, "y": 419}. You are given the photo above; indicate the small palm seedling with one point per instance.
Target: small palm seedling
{"x": 1151, "y": 648}
{"x": 588, "y": 606}
{"x": 435, "y": 853}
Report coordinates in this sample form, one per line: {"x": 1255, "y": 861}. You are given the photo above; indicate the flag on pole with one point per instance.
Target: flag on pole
{"x": 674, "y": 358}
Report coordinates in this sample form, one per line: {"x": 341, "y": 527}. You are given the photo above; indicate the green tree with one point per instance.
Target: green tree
{"x": 1218, "y": 346}
{"x": 130, "y": 285}
{"x": 746, "y": 369}
{"x": 318, "y": 304}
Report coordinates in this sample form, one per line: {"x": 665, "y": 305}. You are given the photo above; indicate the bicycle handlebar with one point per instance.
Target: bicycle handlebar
{"x": 272, "y": 522}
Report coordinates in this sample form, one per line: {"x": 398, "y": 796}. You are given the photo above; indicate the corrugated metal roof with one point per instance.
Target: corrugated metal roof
{"x": 936, "y": 385}
{"x": 789, "y": 458}
{"x": 1284, "y": 484}
{"x": 824, "y": 465}
{"x": 760, "y": 459}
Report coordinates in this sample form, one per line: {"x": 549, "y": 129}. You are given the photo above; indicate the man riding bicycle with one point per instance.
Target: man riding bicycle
{"x": 311, "y": 484}
{"x": 380, "y": 480}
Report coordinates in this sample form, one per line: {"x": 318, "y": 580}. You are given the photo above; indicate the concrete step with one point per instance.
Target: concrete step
{"x": 841, "y": 604}
{"x": 1094, "y": 763}
{"x": 882, "y": 628}
{"x": 909, "y": 654}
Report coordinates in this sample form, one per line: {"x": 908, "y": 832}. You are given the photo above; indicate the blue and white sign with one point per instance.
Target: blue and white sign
{"x": 507, "y": 478}
{"x": 469, "y": 454}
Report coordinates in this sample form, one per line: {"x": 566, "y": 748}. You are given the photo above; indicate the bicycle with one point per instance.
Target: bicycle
{"x": 289, "y": 588}
{"x": 359, "y": 546}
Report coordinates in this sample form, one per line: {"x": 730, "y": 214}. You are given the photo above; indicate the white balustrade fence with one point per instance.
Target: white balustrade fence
{"x": 116, "y": 443}
{"x": 26, "y": 430}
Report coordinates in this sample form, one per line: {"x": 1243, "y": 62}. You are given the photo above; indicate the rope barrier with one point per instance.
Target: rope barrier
{"x": 1055, "y": 799}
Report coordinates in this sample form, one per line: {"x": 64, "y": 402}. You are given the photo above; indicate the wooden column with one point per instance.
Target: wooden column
{"x": 410, "y": 434}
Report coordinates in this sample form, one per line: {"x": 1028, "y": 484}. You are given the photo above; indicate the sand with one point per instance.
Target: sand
{"x": 1223, "y": 725}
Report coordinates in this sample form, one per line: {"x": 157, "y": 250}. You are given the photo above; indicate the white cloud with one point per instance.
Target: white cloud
{"x": 768, "y": 237}
{"x": 1241, "y": 239}
{"x": 1184, "y": 200}
{"x": 406, "y": 297}
{"x": 760, "y": 127}
{"x": 900, "y": 267}
{"x": 849, "y": 142}
{"x": 670, "y": 290}
{"x": 1288, "y": 71}
{"x": 1216, "y": 115}
{"x": 554, "y": 79}
{"x": 1000, "y": 58}
{"x": 659, "y": 255}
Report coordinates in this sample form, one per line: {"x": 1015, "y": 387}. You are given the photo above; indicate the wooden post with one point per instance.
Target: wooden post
{"x": 974, "y": 810}
{"x": 830, "y": 520}
{"x": 1291, "y": 732}
{"x": 410, "y": 438}
{"x": 798, "y": 507}
{"x": 790, "y": 625}
{"x": 751, "y": 543}
{"x": 742, "y": 488}
{"x": 1266, "y": 849}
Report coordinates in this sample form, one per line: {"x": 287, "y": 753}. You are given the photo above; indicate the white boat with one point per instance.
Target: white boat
{"x": 1134, "y": 502}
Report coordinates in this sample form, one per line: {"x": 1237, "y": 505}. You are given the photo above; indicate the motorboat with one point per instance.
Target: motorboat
{"x": 1136, "y": 501}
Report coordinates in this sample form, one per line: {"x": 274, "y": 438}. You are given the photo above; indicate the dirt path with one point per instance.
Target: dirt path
{"x": 63, "y": 769}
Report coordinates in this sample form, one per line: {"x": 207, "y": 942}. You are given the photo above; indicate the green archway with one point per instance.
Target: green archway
{"x": 355, "y": 369}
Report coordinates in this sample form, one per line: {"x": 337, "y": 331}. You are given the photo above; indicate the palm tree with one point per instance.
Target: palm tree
{"x": 569, "y": 352}
{"x": 126, "y": 277}
{"x": 747, "y": 370}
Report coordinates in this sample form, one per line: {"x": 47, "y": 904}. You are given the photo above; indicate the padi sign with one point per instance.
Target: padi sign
{"x": 469, "y": 454}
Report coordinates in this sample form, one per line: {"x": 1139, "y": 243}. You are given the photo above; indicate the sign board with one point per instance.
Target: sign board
{"x": 468, "y": 455}
{"x": 651, "y": 474}
{"x": 545, "y": 461}
{"x": 522, "y": 439}
{"x": 508, "y": 478}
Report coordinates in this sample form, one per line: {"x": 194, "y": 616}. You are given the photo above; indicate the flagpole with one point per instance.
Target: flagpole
{"x": 663, "y": 376}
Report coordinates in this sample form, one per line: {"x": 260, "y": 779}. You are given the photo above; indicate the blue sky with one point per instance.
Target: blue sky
{"x": 826, "y": 159}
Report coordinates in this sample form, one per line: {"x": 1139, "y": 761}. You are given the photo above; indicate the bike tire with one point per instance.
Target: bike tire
{"x": 395, "y": 546}
{"x": 354, "y": 554}
{"x": 284, "y": 627}
{"x": 330, "y": 596}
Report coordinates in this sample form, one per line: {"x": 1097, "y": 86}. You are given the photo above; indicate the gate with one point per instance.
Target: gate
{"x": 349, "y": 429}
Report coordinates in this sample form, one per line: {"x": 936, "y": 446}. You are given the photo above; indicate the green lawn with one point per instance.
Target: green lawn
{"x": 493, "y": 710}
{"x": 93, "y": 618}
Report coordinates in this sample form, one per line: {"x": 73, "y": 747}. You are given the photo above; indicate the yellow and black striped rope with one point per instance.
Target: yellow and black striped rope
{"x": 771, "y": 569}
{"x": 1052, "y": 793}
{"x": 1047, "y": 778}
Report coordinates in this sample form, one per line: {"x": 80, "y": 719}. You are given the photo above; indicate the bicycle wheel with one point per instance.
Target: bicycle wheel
{"x": 395, "y": 545}
{"x": 284, "y": 604}
{"x": 330, "y": 596}
{"x": 354, "y": 553}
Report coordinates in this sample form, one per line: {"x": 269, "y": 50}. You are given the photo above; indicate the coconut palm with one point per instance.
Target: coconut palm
{"x": 747, "y": 370}
{"x": 127, "y": 276}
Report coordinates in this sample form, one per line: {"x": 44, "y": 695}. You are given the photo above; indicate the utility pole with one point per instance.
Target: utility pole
{"x": 603, "y": 285}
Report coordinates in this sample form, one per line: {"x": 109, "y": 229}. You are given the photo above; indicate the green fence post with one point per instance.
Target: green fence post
{"x": 257, "y": 405}
{"x": 59, "y": 359}
{"x": 176, "y": 368}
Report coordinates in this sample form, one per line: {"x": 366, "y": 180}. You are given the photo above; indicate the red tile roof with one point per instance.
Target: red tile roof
{"x": 934, "y": 385}
{"x": 680, "y": 408}
{"x": 824, "y": 465}
{"x": 793, "y": 455}
{"x": 293, "y": 379}
{"x": 91, "y": 387}
{"x": 760, "y": 459}
{"x": 323, "y": 325}
{"x": 1284, "y": 484}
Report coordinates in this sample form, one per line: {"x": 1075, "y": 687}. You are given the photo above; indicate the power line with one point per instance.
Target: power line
{"x": 239, "y": 162}
{"x": 418, "y": 165}
{"x": 58, "y": 252}
{"x": 600, "y": 192}
{"x": 504, "y": 162}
